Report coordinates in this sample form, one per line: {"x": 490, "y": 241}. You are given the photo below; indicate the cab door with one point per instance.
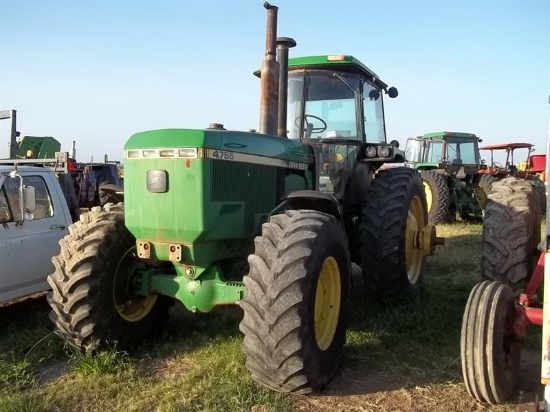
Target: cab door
{"x": 27, "y": 246}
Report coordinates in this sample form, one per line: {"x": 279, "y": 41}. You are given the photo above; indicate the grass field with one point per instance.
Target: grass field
{"x": 403, "y": 357}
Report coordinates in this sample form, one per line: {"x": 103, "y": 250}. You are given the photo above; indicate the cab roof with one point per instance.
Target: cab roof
{"x": 440, "y": 135}
{"x": 343, "y": 62}
{"x": 505, "y": 146}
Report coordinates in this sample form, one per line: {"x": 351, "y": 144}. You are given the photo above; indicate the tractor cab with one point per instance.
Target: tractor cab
{"x": 456, "y": 153}
{"x": 335, "y": 105}
{"x": 510, "y": 168}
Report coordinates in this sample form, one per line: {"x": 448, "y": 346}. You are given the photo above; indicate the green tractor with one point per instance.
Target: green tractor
{"x": 270, "y": 221}
{"x": 449, "y": 163}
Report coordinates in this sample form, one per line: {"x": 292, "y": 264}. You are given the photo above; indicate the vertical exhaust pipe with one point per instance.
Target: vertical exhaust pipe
{"x": 13, "y": 135}
{"x": 283, "y": 44}
{"x": 269, "y": 76}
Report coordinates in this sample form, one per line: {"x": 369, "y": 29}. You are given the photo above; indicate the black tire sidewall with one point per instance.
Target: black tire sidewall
{"x": 319, "y": 363}
{"x": 111, "y": 328}
{"x": 387, "y": 268}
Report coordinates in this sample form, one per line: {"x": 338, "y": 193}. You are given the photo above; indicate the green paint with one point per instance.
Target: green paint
{"x": 41, "y": 147}
{"x": 213, "y": 205}
{"x": 441, "y": 135}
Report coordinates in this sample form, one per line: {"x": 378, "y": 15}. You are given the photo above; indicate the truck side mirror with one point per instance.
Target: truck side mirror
{"x": 395, "y": 143}
{"x": 29, "y": 198}
{"x": 392, "y": 92}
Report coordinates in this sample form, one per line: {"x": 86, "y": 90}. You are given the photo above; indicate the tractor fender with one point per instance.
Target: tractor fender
{"x": 310, "y": 199}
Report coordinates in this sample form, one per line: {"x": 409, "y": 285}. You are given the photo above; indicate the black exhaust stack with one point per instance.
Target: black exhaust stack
{"x": 283, "y": 44}
{"x": 269, "y": 76}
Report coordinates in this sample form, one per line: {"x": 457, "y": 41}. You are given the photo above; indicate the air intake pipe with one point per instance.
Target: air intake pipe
{"x": 283, "y": 44}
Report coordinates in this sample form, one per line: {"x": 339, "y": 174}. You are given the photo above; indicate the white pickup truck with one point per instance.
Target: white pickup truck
{"x": 34, "y": 216}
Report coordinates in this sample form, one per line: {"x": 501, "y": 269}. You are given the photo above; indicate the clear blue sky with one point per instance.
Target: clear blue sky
{"x": 98, "y": 71}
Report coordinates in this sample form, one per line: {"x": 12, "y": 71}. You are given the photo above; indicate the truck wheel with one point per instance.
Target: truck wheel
{"x": 438, "y": 197}
{"x": 511, "y": 233}
{"x": 91, "y": 306}
{"x": 483, "y": 188}
{"x": 489, "y": 351}
{"x": 295, "y": 309}
{"x": 394, "y": 213}
{"x": 540, "y": 191}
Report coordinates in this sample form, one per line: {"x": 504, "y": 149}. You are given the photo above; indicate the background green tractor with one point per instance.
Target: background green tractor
{"x": 449, "y": 164}
{"x": 264, "y": 220}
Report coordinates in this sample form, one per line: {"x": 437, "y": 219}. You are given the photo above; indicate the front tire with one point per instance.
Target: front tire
{"x": 91, "y": 306}
{"x": 295, "y": 309}
{"x": 490, "y": 353}
{"x": 394, "y": 214}
{"x": 511, "y": 233}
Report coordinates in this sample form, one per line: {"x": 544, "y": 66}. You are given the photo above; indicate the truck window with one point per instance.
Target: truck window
{"x": 4, "y": 209}
{"x": 10, "y": 191}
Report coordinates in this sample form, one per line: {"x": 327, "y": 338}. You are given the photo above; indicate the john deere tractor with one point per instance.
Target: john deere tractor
{"x": 270, "y": 221}
{"x": 449, "y": 164}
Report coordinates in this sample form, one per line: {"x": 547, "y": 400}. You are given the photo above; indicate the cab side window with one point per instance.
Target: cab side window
{"x": 44, "y": 206}
{"x": 11, "y": 191}
{"x": 5, "y": 215}
{"x": 374, "y": 114}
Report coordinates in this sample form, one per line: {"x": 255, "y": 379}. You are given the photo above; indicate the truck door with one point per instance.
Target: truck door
{"x": 26, "y": 247}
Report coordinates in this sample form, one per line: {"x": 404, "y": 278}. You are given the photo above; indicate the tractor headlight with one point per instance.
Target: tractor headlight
{"x": 370, "y": 151}
{"x": 384, "y": 151}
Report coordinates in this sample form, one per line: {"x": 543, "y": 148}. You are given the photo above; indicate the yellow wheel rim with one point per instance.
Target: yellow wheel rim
{"x": 327, "y": 303}
{"x": 131, "y": 308}
{"x": 136, "y": 308}
{"x": 413, "y": 253}
{"x": 428, "y": 192}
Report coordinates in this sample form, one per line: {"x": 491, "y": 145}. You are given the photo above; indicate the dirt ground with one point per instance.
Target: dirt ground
{"x": 357, "y": 390}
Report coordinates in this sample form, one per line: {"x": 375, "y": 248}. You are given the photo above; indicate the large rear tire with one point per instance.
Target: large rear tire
{"x": 483, "y": 189}
{"x": 540, "y": 190}
{"x": 511, "y": 233}
{"x": 91, "y": 306}
{"x": 438, "y": 198}
{"x": 489, "y": 351}
{"x": 295, "y": 309}
{"x": 394, "y": 214}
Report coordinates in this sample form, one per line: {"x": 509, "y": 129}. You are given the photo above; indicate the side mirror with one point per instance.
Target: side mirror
{"x": 395, "y": 143}
{"x": 392, "y": 92}
{"x": 374, "y": 94}
{"x": 29, "y": 198}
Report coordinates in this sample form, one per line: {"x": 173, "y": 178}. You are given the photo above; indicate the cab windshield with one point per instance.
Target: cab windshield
{"x": 462, "y": 151}
{"x": 330, "y": 109}
{"x": 413, "y": 150}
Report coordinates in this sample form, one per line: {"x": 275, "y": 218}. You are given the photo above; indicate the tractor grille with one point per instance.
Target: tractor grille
{"x": 244, "y": 182}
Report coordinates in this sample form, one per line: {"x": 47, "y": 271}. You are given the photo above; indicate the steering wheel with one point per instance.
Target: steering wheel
{"x": 309, "y": 126}
{"x": 497, "y": 165}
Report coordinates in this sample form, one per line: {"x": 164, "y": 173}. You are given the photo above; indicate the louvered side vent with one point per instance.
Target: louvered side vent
{"x": 245, "y": 182}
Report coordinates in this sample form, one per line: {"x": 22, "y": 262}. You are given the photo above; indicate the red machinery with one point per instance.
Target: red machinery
{"x": 500, "y": 308}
